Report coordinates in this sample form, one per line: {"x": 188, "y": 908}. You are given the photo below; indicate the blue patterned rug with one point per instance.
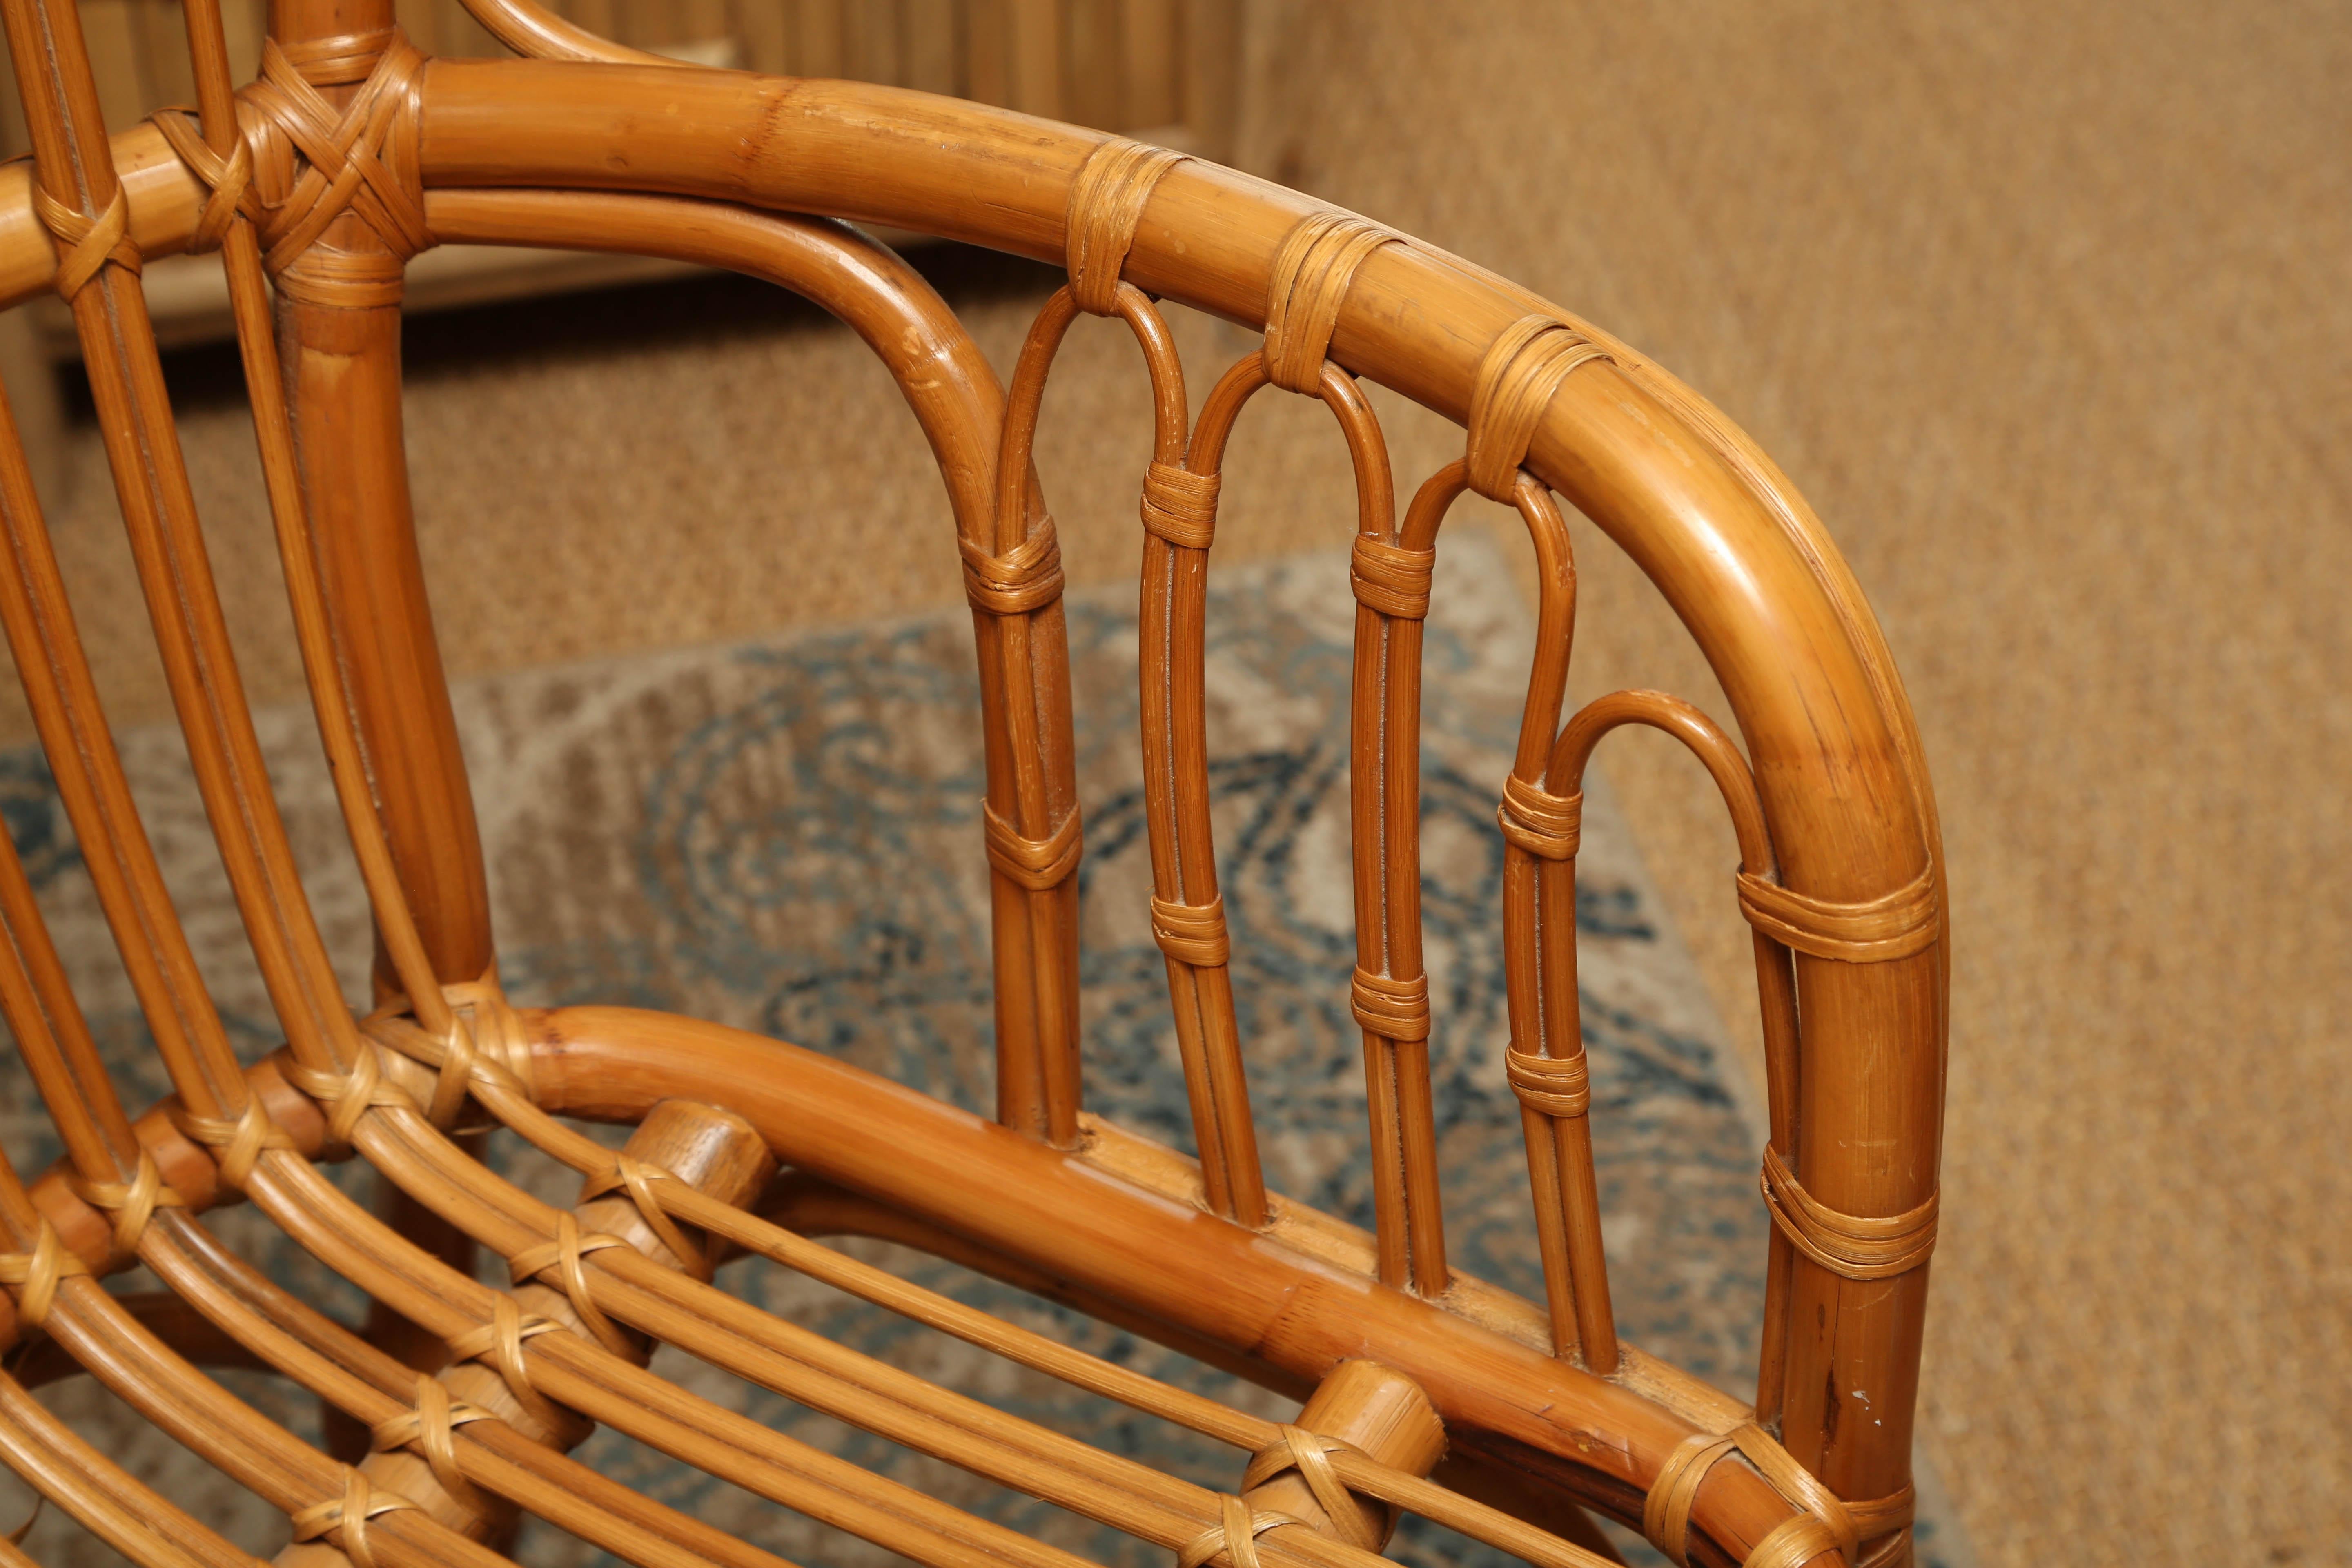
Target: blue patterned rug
{"x": 783, "y": 836}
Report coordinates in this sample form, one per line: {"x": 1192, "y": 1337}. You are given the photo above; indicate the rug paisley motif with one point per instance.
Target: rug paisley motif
{"x": 783, "y": 836}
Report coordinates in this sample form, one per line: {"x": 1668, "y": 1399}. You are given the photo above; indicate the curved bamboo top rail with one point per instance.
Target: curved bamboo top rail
{"x": 1748, "y": 569}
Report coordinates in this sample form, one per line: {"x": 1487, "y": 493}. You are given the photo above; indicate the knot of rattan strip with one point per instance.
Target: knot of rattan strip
{"x": 1308, "y": 1453}
{"x": 131, "y": 1202}
{"x": 1521, "y": 371}
{"x": 1026, "y": 577}
{"x": 1825, "y": 1525}
{"x": 432, "y": 1427}
{"x": 1235, "y": 1534}
{"x": 498, "y": 1345}
{"x": 347, "y": 1517}
{"x": 1389, "y": 578}
{"x": 35, "y": 1275}
{"x": 1191, "y": 933}
{"x": 1105, "y": 202}
{"x": 485, "y": 1042}
{"x": 228, "y": 178}
{"x": 635, "y": 1178}
{"x": 85, "y": 244}
{"x": 567, "y": 1254}
{"x": 348, "y": 1095}
{"x": 1180, "y": 506}
{"x": 363, "y": 159}
{"x": 1311, "y": 273}
{"x": 1392, "y": 1008}
{"x": 237, "y": 1146}
{"x": 1037, "y": 864}
{"x": 1854, "y": 1245}
{"x": 1886, "y": 1520}
{"x": 1892, "y": 925}
{"x": 1554, "y": 1086}
{"x": 1546, "y": 825}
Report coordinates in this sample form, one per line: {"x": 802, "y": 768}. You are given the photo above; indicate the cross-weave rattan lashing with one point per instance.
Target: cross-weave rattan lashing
{"x": 458, "y": 1406}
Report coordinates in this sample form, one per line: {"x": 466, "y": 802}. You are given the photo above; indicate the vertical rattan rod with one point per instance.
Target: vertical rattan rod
{"x": 1188, "y": 921}
{"x": 1390, "y": 991}
{"x": 1014, "y": 580}
{"x": 1728, "y": 769}
{"x": 81, "y": 201}
{"x": 340, "y": 332}
{"x": 229, "y": 222}
{"x": 1537, "y": 901}
{"x": 63, "y": 700}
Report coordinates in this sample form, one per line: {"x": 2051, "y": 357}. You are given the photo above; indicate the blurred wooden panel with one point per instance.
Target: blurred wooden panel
{"x": 163, "y": 53}
{"x": 816, "y": 37}
{"x": 1033, "y": 46}
{"x": 117, "y": 56}
{"x": 1093, "y": 64}
{"x": 873, "y": 36}
{"x": 1154, "y": 61}
{"x": 934, "y": 46}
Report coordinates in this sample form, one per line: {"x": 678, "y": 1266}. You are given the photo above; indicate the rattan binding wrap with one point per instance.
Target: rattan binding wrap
{"x": 319, "y": 182}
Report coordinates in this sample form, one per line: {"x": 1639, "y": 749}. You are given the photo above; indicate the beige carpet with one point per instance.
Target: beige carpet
{"x": 2044, "y": 308}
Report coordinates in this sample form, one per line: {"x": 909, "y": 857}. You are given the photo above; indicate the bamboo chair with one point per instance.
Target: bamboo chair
{"x": 317, "y": 182}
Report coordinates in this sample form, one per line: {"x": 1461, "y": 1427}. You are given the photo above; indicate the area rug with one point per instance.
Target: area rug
{"x": 783, "y": 836}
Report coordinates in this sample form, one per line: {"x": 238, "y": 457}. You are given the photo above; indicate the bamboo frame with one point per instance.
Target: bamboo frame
{"x": 352, "y": 155}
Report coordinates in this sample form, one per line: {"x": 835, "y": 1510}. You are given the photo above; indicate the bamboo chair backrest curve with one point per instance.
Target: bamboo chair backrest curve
{"x": 352, "y": 153}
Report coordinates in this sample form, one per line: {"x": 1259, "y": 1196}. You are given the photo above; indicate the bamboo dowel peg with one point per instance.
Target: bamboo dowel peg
{"x": 1380, "y": 1413}
{"x": 713, "y": 1151}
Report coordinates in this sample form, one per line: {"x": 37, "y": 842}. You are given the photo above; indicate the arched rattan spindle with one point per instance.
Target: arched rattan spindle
{"x": 1030, "y": 816}
{"x": 1563, "y": 781}
{"x": 1178, "y": 513}
{"x": 1517, "y": 377}
{"x": 1388, "y": 991}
